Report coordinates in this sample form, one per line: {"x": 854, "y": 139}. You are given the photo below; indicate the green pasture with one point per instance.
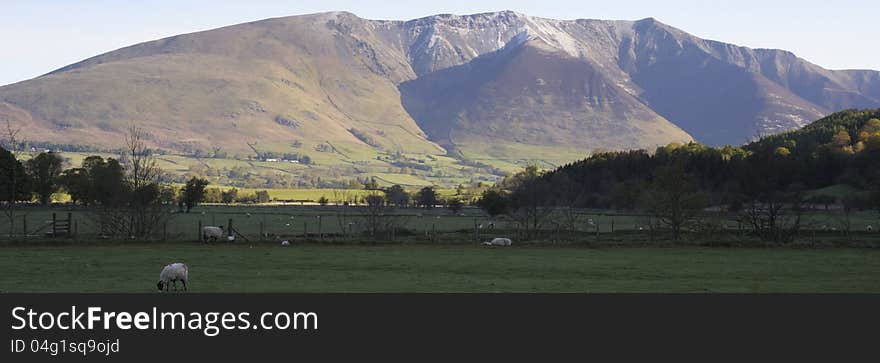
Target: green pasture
{"x": 118, "y": 267}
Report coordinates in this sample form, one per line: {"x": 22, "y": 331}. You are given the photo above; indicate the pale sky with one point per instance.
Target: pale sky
{"x": 38, "y": 36}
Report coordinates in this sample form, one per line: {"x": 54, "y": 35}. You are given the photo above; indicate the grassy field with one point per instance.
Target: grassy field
{"x": 347, "y": 162}
{"x": 412, "y": 268}
{"x": 293, "y": 220}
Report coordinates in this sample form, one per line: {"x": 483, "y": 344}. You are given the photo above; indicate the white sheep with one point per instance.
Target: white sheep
{"x": 498, "y": 242}
{"x": 212, "y": 233}
{"x": 171, "y": 274}
{"x": 285, "y": 243}
{"x": 869, "y": 228}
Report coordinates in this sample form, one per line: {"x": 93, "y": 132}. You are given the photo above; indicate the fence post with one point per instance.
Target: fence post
{"x": 199, "y": 234}
{"x": 261, "y": 230}
{"x": 229, "y": 225}
{"x": 434, "y": 232}
{"x": 305, "y": 230}
{"x": 54, "y": 230}
{"x": 557, "y": 234}
{"x": 165, "y": 231}
{"x": 24, "y": 222}
{"x": 75, "y": 229}
{"x": 320, "y": 232}
{"x": 476, "y": 231}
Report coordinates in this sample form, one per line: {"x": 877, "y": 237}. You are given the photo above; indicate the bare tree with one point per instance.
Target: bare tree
{"x": 849, "y": 205}
{"x": 775, "y": 216}
{"x": 141, "y": 165}
{"x": 568, "y": 196}
{"x": 674, "y": 200}
{"x": 143, "y": 206}
{"x": 373, "y": 213}
{"x": 378, "y": 218}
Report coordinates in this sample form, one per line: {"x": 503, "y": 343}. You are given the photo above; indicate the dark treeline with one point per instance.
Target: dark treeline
{"x": 769, "y": 181}
{"x": 843, "y": 148}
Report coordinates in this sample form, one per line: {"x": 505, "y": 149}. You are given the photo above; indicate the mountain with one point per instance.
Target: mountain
{"x": 496, "y": 88}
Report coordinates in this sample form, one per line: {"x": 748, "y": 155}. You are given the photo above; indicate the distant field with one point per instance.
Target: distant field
{"x": 424, "y": 268}
{"x": 306, "y": 195}
{"x": 345, "y": 161}
{"x": 312, "y": 195}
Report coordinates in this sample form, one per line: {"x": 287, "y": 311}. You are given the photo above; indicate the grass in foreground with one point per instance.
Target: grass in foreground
{"x": 401, "y": 268}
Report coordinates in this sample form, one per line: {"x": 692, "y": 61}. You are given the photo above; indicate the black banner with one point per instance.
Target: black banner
{"x": 419, "y": 326}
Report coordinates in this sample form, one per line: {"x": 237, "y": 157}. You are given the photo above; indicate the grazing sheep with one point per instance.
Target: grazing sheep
{"x": 498, "y": 242}
{"x": 285, "y": 243}
{"x": 212, "y": 233}
{"x": 171, "y": 274}
{"x": 869, "y": 228}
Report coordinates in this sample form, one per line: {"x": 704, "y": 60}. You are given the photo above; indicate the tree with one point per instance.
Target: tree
{"x": 397, "y": 196}
{"x": 371, "y": 184}
{"x": 531, "y": 200}
{"x": 851, "y": 203}
{"x": 323, "y": 200}
{"x": 427, "y": 197}
{"x": 13, "y": 180}
{"x": 493, "y": 202}
{"x": 454, "y": 204}
{"x": 76, "y": 183}
{"x": 141, "y": 167}
{"x": 44, "y": 171}
{"x": 213, "y": 195}
{"x": 262, "y": 196}
{"x": 229, "y": 196}
{"x": 774, "y": 215}
{"x": 105, "y": 182}
{"x": 131, "y": 199}
{"x": 374, "y": 213}
{"x": 673, "y": 198}
{"x": 626, "y": 195}
{"x": 194, "y": 192}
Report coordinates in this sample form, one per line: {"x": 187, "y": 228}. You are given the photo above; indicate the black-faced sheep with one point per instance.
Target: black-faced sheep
{"x": 171, "y": 274}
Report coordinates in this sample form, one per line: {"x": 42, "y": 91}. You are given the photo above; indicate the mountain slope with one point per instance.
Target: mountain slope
{"x": 272, "y": 82}
{"x": 500, "y": 88}
{"x": 531, "y": 94}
